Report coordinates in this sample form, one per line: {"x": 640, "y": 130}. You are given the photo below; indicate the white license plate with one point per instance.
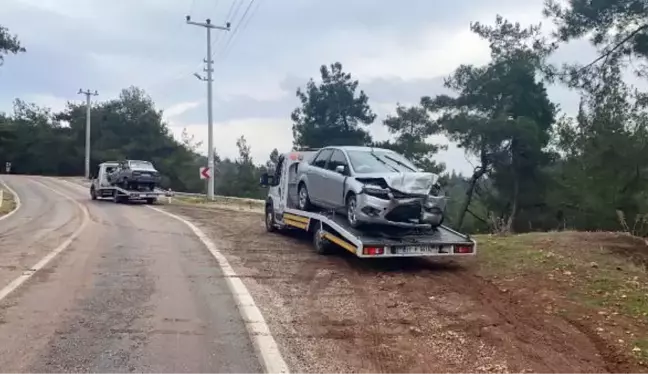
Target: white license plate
{"x": 417, "y": 249}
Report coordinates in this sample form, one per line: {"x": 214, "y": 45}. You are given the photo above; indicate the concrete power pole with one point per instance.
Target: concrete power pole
{"x": 87, "y": 93}
{"x": 210, "y": 126}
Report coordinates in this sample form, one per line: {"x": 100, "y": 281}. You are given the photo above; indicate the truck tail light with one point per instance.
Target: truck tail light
{"x": 372, "y": 251}
{"x": 463, "y": 248}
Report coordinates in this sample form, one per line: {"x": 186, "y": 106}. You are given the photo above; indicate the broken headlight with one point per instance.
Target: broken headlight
{"x": 376, "y": 191}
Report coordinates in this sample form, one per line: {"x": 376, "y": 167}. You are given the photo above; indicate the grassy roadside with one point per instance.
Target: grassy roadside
{"x": 8, "y": 202}
{"x": 597, "y": 281}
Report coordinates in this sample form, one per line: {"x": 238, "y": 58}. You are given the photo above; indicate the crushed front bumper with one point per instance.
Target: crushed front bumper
{"x": 405, "y": 212}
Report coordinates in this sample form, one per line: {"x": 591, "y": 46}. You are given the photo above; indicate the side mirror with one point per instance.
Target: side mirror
{"x": 340, "y": 169}
{"x": 266, "y": 180}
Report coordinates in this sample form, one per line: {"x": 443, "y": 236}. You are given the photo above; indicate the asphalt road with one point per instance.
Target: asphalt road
{"x": 135, "y": 291}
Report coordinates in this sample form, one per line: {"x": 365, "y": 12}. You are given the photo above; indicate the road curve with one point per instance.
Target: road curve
{"x": 135, "y": 291}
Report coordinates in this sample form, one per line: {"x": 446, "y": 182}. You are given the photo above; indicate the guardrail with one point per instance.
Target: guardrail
{"x": 217, "y": 197}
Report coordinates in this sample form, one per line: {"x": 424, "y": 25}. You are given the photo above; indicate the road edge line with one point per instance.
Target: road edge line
{"x": 265, "y": 344}
{"x": 16, "y": 199}
{"x": 8, "y": 289}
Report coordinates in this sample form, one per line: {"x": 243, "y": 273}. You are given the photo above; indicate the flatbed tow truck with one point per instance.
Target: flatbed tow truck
{"x": 101, "y": 188}
{"x": 330, "y": 228}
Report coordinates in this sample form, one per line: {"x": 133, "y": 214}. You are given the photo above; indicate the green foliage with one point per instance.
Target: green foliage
{"x": 502, "y": 116}
{"x": 8, "y": 44}
{"x": 616, "y": 27}
{"x": 411, "y": 127}
{"x": 331, "y": 112}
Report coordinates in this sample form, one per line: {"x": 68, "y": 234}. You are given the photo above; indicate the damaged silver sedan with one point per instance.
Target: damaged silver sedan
{"x": 372, "y": 186}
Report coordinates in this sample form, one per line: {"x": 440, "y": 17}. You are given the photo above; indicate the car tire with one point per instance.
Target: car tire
{"x": 351, "y": 206}
{"x": 151, "y": 200}
{"x": 303, "y": 199}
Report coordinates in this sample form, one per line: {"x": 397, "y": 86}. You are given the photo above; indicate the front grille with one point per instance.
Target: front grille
{"x": 405, "y": 213}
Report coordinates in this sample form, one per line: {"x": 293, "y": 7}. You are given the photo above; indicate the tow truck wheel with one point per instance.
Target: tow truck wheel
{"x": 93, "y": 193}
{"x": 270, "y": 219}
{"x": 321, "y": 244}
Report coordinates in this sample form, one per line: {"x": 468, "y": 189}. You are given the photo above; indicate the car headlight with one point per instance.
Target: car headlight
{"x": 376, "y": 191}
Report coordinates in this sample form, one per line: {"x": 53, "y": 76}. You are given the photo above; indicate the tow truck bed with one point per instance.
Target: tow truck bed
{"x": 119, "y": 194}
{"x": 333, "y": 228}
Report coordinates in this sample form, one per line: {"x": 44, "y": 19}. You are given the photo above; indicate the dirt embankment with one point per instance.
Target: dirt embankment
{"x": 537, "y": 303}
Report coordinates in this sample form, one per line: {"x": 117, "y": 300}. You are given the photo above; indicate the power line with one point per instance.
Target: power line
{"x": 228, "y": 18}
{"x": 242, "y": 24}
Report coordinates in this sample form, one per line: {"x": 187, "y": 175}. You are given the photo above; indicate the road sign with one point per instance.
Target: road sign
{"x": 204, "y": 173}
{"x": 8, "y": 167}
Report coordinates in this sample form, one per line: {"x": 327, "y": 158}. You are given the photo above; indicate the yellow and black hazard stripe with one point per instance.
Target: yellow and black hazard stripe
{"x": 341, "y": 242}
{"x": 296, "y": 221}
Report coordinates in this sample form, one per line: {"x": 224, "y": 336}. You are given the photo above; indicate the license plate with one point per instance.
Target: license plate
{"x": 417, "y": 249}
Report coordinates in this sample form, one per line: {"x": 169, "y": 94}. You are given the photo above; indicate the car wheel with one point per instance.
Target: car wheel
{"x": 351, "y": 207}
{"x": 150, "y": 200}
{"x": 303, "y": 200}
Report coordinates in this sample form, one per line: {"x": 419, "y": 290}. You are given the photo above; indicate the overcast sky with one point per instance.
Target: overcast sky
{"x": 399, "y": 50}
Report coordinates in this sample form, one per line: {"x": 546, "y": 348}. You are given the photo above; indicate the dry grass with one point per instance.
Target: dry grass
{"x": 8, "y": 202}
{"x": 219, "y": 202}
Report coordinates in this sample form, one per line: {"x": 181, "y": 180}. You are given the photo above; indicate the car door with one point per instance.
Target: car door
{"x": 333, "y": 181}
{"x": 316, "y": 173}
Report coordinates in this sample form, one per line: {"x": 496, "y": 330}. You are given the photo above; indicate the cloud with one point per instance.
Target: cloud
{"x": 399, "y": 50}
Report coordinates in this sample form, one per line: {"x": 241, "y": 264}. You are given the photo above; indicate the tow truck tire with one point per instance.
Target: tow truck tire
{"x": 116, "y": 198}
{"x": 322, "y": 246}
{"x": 93, "y": 193}
{"x": 150, "y": 200}
{"x": 270, "y": 219}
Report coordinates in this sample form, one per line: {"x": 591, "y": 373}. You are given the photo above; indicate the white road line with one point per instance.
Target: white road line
{"x": 16, "y": 199}
{"x": 45, "y": 260}
{"x": 264, "y": 342}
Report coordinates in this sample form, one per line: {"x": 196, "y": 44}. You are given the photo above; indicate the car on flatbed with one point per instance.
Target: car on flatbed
{"x": 330, "y": 229}
{"x": 132, "y": 174}
{"x": 371, "y": 186}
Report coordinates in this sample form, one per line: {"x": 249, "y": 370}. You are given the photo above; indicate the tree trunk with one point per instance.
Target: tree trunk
{"x": 479, "y": 172}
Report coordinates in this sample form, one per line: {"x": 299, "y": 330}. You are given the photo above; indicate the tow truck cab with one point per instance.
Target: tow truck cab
{"x": 329, "y": 228}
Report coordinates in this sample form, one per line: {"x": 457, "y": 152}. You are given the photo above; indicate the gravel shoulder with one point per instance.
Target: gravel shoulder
{"x": 515, "y": 308}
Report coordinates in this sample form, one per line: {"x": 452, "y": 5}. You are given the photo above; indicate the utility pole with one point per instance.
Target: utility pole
{"x": 210, "y": 125}
{"x": 87, "y": 93}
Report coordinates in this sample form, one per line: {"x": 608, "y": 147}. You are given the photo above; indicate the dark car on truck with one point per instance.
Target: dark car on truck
{"x": 135, "y": 175}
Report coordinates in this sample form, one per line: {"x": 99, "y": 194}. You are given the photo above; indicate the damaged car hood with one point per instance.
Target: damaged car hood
{"x": 416, "y": 183}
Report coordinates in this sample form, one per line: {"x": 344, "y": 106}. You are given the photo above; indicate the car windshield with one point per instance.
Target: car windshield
{"x": 380, "y": 161}
{"x": 141, "y": 165}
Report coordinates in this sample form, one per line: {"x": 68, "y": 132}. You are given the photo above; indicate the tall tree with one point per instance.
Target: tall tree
{"x": 8, "y": 44}
{"x": 502, "y": 115}
{"x": 616, "y": 27}
{"x": 411, "y": 127}
{"x": 331, "y": 112}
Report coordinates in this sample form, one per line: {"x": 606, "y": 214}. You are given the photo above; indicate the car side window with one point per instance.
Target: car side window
{"x": 322, "y": 158}
{"x": 337, "y": 159}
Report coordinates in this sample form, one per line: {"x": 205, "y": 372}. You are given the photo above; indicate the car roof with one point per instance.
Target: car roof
{"x": 357, "y": 148}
